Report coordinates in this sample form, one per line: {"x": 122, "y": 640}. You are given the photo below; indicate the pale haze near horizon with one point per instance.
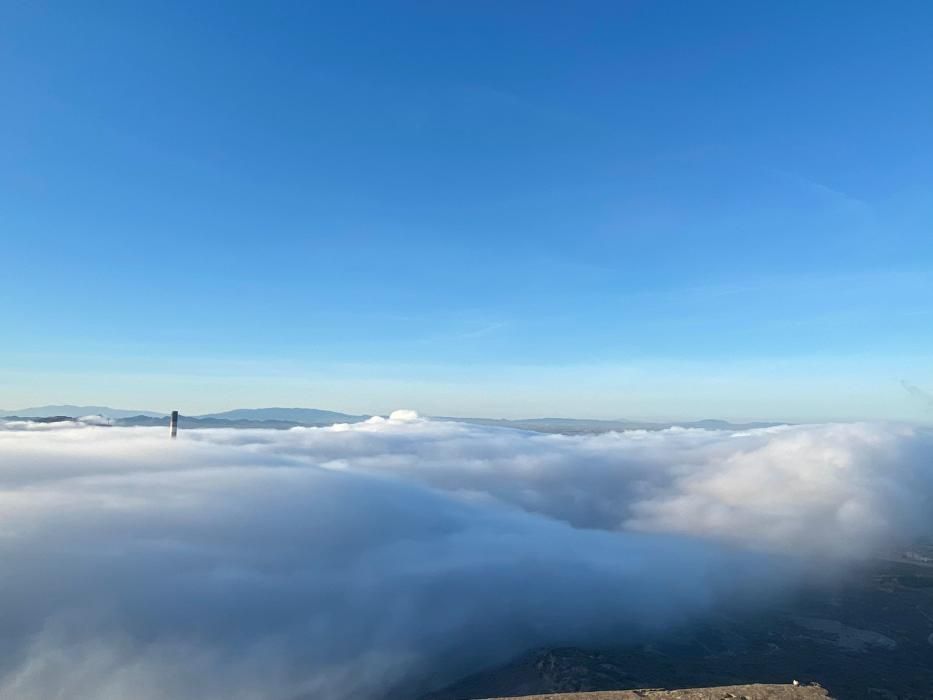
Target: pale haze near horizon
{"x": 585, "y": 392}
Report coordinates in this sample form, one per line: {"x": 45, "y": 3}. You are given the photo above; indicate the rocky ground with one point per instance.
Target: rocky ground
{"x": 730, "y": 692}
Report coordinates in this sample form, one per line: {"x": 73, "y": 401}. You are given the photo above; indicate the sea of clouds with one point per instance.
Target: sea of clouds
{"x": 355, "y": 560}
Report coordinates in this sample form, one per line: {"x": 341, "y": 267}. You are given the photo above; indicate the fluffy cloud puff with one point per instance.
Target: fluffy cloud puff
{"x": 354, "y": 560}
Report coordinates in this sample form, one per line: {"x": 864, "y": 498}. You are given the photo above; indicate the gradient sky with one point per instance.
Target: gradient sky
{"x": 621, "y": 209}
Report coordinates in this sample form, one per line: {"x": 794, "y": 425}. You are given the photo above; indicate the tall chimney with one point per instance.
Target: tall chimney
{"x": 174, "y": 424}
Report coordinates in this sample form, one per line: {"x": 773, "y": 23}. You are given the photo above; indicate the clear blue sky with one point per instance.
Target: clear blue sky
{"x": 632, "y": 209}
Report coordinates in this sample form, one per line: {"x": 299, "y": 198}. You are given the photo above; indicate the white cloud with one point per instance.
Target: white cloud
{"x": 339, "y": 562}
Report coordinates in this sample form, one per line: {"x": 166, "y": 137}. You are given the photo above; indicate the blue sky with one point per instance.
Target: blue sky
{"x": 619, "y": 209}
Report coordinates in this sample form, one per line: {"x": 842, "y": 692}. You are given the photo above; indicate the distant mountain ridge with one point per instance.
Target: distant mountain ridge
{"x": 188, "y": 422}
{"x": 295, "y": 415}
{"x": 279, "y": 417}
{"x": 77, "y": 412}
{"x": 585, "y": 425}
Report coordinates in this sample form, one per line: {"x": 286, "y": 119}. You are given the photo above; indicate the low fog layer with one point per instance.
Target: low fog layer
{"x": 339, "y": 562}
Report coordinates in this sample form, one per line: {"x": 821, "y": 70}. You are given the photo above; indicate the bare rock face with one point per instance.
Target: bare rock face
{"x": 729, "y": 692}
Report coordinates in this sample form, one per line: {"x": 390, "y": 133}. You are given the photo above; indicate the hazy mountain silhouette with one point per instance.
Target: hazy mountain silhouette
{"x": 294, "y": 415}
{"x": 77, "y": 411}
{"x": 278, "y": 417}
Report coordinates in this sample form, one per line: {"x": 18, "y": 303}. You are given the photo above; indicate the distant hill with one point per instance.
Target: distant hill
{"x": 277, "y": 417}
{"x": 187, "y": 422}
{"x": 313, "y": 416}
{"x": 36, "y": 419}
{"x": 77, "y": 411}
{"x": 583, "y": 425}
